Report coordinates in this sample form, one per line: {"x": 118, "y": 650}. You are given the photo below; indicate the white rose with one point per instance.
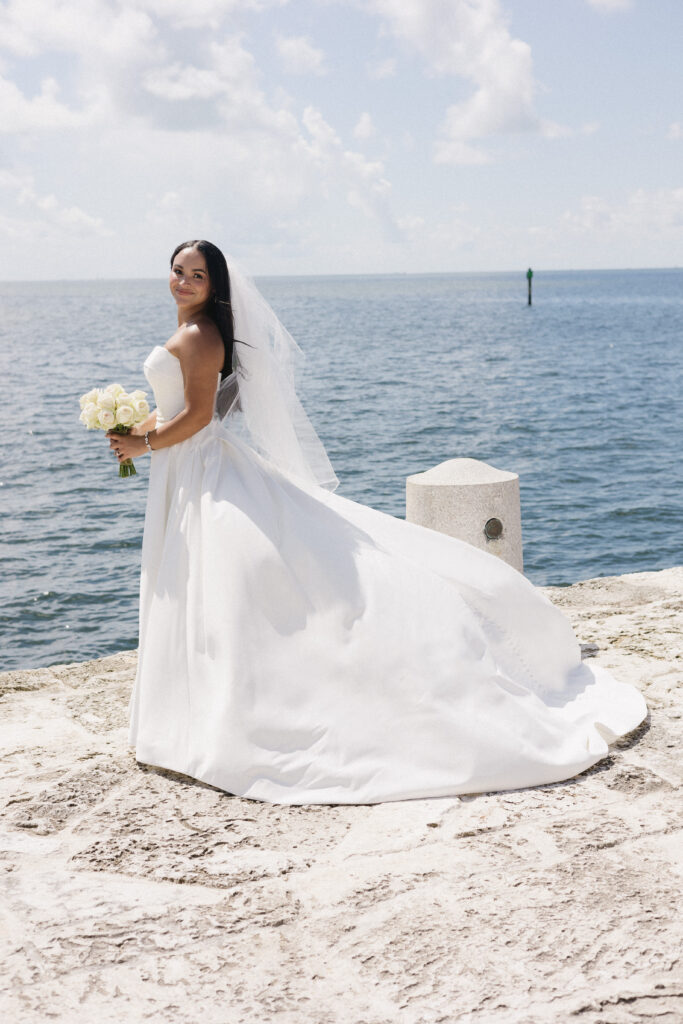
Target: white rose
{"x": 114, "y": 389}
{"x": 138, "y": 394}
{"x": 90, "y": 415}
{"x": 125, "y": 415}
{"x": 106, "y": 418}
{"x": 106, "y": 400}
{"x": 141, "y": 408}
{"x": 88, "y": 398}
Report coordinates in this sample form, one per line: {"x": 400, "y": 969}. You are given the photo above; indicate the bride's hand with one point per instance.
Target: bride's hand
{"x": 126, "y": 446}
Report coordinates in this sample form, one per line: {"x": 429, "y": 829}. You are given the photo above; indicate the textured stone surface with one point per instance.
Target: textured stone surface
{"x": 133, "y": 894}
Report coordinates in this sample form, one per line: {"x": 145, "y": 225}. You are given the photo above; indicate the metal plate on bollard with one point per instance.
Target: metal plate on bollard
{"x": 493, "y": 529}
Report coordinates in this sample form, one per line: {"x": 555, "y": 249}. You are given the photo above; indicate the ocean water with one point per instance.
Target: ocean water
{"x": 580, "y": 394}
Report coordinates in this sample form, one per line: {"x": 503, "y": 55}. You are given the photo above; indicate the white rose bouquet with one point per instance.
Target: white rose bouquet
{"x": 112, "y": 408}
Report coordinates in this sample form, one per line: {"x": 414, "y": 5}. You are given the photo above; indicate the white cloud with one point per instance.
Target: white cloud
{"x": 364, "y": 128}
{"x": 169, "y": 201}
{"x": 48, "y": 209}
{"x": 364, "y": 181}
{"x": 382, "y": 69}
{"x": 223, "y": 93}
{"x": 125, "y": 30}
{"x": 450, "y": 150}
{"x": 252, "y": 151}
{"x": 204, "y": 13}
{"x": 452, "y": 233}
{"x": 553, "y": 130}
{"x": 184, "y": 82}
{"x": 643, "y": 213}
{"x": 610, "y": 5}
{"x": 675, "y": 132}
{"x": 110, "y": 46}
{"x": 182, "y": 109}
{"x": 326, "y": 149}
{"x": 91, "y": 28}
{"x": 469, "y": 38}
{"x": 299, "y": 56}
{"x": 43, "y": 112}
{"x": 411, "y": 224}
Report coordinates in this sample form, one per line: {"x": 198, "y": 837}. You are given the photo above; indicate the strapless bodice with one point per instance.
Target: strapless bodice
{"x": 162, "y": 370}
{"x": 165, "y": 376}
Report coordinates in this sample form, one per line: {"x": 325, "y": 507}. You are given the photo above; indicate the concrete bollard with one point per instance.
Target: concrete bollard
{"x": 470, "y": 500}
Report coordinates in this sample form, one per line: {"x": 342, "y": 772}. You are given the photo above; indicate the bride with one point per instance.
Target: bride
{"x": 301, "y": 648}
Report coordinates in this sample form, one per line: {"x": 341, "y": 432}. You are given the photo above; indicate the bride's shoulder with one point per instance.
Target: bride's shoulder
{"x": 197, "y": 341}
{"x": 202, "y": 332}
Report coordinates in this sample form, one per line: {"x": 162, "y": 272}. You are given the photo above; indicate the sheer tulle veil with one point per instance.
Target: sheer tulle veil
{"x": 263, "y": 386}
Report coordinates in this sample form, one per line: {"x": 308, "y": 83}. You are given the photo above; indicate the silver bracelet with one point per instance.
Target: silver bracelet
{"x": 149, "y": 447}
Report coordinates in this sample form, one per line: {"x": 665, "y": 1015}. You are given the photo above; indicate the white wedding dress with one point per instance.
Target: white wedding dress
{"x": 300, "y": 648}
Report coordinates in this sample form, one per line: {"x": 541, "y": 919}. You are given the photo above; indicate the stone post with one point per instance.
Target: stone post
{"x": 470, "y": 500}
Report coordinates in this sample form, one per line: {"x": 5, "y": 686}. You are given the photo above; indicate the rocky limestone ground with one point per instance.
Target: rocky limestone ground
{"x": 134, "y": 894}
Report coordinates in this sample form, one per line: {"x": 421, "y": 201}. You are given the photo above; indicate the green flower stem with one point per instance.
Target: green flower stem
{"x": 125, "y": 468}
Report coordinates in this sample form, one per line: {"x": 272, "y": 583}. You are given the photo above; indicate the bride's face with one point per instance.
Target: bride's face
{"x": 189, "y": 279}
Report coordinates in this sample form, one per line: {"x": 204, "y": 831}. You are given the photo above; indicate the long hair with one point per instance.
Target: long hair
{"x": 219, "y": 307}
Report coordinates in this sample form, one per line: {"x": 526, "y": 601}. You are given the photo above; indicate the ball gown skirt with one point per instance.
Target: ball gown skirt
{"x": 301, "y": 648}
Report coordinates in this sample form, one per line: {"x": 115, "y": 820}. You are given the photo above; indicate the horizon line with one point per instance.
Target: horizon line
{"x": 356, "y": 274}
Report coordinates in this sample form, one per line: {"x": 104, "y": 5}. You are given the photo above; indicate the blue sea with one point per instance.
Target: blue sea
{"x": 580, "y": 394}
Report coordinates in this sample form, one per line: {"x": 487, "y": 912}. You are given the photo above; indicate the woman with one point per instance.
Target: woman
{"x": 298, "y": 647}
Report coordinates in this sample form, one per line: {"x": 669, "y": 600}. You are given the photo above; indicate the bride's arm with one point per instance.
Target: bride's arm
{"x": 199, "y": 348}
{"x": 148, "y": 424}
{"x": 200, "y": 351}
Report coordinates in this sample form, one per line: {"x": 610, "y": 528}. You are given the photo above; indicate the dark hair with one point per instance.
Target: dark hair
{"x": 219, "y": 307}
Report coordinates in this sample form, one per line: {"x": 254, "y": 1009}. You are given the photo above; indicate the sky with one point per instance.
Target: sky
{"x": 340, "y": 136}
